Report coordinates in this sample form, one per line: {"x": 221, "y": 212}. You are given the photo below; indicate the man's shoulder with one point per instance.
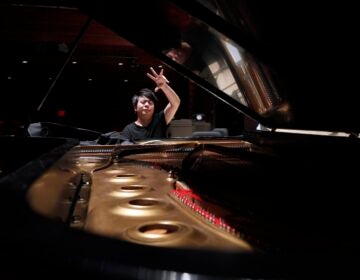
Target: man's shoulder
{"x": 129, "y": 126}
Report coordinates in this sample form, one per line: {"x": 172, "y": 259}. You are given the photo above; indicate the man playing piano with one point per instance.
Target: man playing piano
{"x": 149, "y": 124}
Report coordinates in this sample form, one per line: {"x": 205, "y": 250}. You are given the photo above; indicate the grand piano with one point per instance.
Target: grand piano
{"x": 266, "y": 191}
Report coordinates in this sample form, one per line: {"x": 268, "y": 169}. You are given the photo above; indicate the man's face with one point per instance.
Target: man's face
{"x": 145, "y": 107}
{"x": 181, "y": 54}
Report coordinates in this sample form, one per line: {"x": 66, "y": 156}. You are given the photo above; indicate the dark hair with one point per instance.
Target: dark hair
{"x": 148, "y": 93}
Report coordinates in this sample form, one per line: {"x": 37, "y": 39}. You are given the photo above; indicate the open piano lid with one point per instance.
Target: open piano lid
{"x": 285, "y": 65}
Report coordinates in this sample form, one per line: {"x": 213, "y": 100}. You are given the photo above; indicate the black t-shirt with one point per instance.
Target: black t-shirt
{"x": 156, "y": 129}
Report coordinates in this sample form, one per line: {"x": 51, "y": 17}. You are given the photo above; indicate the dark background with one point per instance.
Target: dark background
{"x": 95, "y": 93}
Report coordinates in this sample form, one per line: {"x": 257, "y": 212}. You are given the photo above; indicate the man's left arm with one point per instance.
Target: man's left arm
{"x": 163, "y": 84}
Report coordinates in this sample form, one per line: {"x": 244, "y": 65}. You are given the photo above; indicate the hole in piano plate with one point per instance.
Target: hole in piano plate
{"x": 166, "y": 233}
{"x": 125, "y": 175}
{"x": 143, "y": 202}
{"x": 158, "y": 229}
{"x": 132, "y": 188}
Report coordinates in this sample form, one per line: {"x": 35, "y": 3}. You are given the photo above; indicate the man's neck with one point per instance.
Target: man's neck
{"x": 143, "y": 122}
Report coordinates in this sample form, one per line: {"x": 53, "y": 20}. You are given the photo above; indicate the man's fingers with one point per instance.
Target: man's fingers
{"x": 151, "y": 76}
{"x": 153, "y": 71}
{"x": 166, "y": 80}
{"x": 155, "y": 77}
